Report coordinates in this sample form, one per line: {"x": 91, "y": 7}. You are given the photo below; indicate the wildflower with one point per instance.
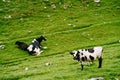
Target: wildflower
{"x": 8, "y": 17}
{"x": 53, "y": 5}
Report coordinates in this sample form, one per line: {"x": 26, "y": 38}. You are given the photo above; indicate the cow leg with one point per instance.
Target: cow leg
{"x": 81, "y": 65}
{"x": 100, "y": 62}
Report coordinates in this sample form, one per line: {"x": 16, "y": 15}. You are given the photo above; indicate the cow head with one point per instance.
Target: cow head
{"x": 41, "y": 38}
{"x": 75, "y": 55}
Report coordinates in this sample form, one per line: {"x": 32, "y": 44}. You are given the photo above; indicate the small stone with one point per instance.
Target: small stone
{"x": 48, "y": 63}
{"x": 2, "y": 46}
{"x": 26, "y": 68}
{"x": 99, "y": 78}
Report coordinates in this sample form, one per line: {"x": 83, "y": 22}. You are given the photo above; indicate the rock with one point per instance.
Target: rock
{"x": 2, "y": 46}
{"x": 26, "y": 68}
{"x": 99, "y": 78}
{"x": 48, "y": 63}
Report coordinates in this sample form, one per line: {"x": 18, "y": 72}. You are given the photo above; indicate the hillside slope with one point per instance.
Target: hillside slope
{"x": 67, "y": 25}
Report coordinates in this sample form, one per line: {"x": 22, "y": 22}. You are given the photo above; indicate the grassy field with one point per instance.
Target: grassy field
{"x": 72, "y": 25}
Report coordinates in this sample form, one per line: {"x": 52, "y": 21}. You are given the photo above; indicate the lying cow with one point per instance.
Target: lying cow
{"x": 90, "y": 55}
{"x": 34, "y": 48}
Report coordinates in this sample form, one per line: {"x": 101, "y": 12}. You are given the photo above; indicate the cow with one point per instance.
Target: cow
{"x": 35, "y": 47}
{"x": 91, "y": 54}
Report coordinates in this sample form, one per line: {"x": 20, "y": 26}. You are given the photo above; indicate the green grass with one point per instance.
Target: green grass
{"x": 81, "y": 25}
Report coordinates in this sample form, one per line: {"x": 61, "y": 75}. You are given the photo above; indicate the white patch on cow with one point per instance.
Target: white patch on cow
{"x": 30, "y": 48}
{"x": 75, "y": 53}
{"x": 33, "y": 40}
{"x": 37, "y": 50}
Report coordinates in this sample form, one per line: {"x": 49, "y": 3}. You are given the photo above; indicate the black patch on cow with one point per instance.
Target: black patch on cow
{"x": 91, "y": 50}
{"x": 91, "y": 57}
{"x": 78, "y": 56}
{"x": 85, "y": 49}
{"x": 36, "y": 43}
{"x": 83, "y": 58}
{"x": 40, "y": 39}
{"x": 81, "y": 53}
{"x": 71, "y": 53}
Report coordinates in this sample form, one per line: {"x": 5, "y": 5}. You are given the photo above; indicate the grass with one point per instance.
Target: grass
{"x": 81, "y": 25}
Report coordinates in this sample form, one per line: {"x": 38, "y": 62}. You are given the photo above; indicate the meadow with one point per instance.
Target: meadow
{"x": 68, "y": 25}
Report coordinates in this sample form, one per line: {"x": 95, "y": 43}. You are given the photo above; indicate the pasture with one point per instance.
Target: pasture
{"x": 71, "y": 25}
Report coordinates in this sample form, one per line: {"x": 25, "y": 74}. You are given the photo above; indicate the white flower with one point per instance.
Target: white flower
{"x": 8, "y": 17}
{"x": 26, "y": 68}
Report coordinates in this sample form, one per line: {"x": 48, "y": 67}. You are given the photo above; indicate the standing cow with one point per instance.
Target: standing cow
{"x": 90, "y": 55}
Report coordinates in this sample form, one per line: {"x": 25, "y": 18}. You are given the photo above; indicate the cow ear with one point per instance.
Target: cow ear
{"x": 71, "y": 53}
{"x": 78, "y": 52}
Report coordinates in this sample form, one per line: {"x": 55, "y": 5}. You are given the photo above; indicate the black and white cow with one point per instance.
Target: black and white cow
{"x": 89, "y": 55}
{"x": 35, "y": 47}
